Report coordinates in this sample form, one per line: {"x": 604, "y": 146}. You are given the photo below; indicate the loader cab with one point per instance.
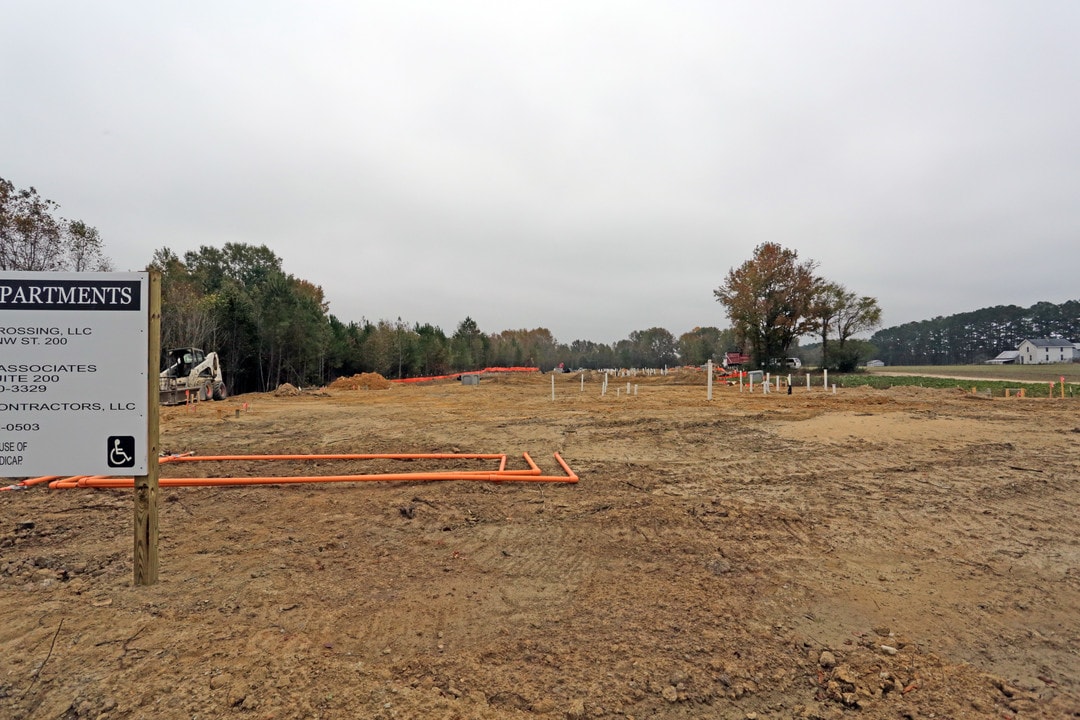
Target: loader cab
{"x": 182, "y": 360}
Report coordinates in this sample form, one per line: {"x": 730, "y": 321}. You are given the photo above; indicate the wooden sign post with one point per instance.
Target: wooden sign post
{"x": 146, "y": 486}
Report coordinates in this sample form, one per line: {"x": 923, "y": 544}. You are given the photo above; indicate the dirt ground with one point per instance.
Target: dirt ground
{"x": 903, "y": 553}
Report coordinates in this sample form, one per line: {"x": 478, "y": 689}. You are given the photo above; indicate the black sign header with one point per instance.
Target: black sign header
{"x": 70, "y": 295}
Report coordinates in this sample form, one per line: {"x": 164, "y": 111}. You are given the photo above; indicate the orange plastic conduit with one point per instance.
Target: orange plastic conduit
{"x": 488, "y": 476}
{"x": 360, "y": 456}
{"x": 58, "y": 483}
{"x": 30, "y": 482}
{"x": 533, "y": 469}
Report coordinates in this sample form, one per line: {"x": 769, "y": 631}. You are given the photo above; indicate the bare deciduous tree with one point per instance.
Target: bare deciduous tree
{"x": 33, "y": 237}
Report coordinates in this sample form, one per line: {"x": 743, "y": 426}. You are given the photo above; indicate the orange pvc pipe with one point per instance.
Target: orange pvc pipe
{"x": 58, "y": 482}
{"x": 39, "y": 480}
{"x": 69, "y": 482}
{"x": 358, "y": 456}
{"x": 30, "y": 482}
{"x": 292, "y": 480}
{"x": 530, "y": 475}
{"x": 566, "y": 468}
{"x": 533, "y": 468}
{"x": 174, "y": 458}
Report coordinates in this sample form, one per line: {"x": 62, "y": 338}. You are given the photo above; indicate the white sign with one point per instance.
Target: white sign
{"x": 73, "y": 363}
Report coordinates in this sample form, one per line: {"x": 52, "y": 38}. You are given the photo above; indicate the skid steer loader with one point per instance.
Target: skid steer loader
{"x": 191, "y": 375}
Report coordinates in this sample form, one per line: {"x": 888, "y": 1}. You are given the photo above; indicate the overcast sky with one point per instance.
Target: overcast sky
{"x": 590, "y": 167}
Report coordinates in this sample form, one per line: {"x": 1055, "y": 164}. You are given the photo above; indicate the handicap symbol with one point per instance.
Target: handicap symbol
{"x": 122, "y": 451}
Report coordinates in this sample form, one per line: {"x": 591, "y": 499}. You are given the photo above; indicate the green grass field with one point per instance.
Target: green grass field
{"x": 1035, "y": 379}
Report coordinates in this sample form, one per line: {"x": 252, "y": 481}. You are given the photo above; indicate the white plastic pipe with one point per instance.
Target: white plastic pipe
{"x": 708, "y": 373}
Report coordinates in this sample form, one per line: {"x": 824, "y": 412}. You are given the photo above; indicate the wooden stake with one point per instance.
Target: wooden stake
{"x": 146, "y": 486}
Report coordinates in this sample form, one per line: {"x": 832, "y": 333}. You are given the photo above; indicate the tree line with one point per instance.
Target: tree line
{"x": 977, "y": 336}
{"x": 270, "y": 327}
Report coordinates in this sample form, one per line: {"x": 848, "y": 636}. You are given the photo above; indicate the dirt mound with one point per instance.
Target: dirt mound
{"x": 363, "y": 381}
{"x": 286, "y": 390}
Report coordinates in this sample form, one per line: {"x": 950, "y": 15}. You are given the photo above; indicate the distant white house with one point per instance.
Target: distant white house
{"x": 875, "y": 363}
{"x": 1009, "y": 357}
{"x": 1047, "y": 350}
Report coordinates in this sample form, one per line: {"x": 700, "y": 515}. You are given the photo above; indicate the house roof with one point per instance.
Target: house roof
{"x": 1050, "y": 342}
{"x": 1005, "y": 357}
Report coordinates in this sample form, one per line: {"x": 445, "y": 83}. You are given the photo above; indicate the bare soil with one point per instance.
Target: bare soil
{"x": 905, "y": 553}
